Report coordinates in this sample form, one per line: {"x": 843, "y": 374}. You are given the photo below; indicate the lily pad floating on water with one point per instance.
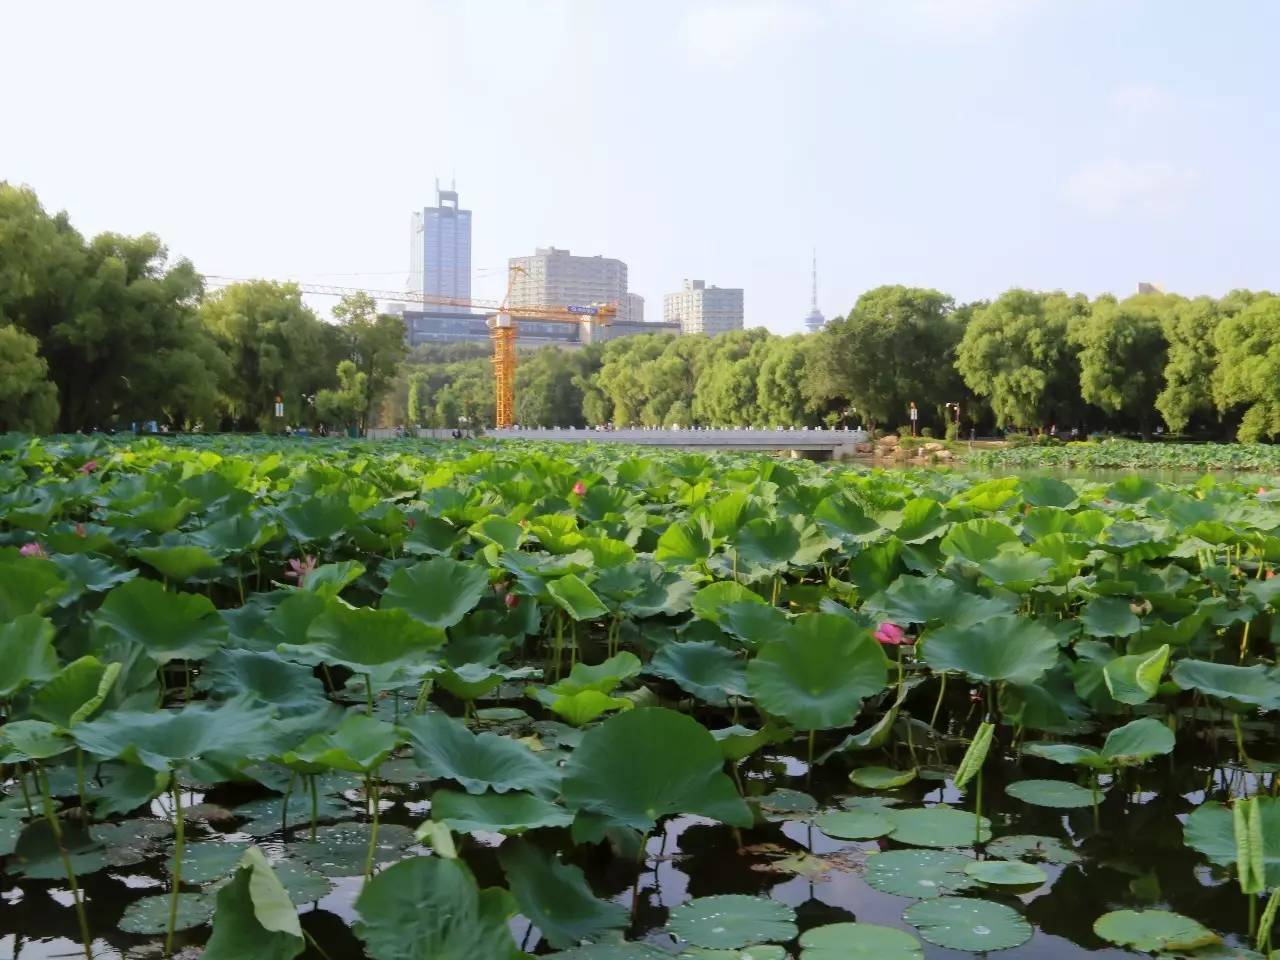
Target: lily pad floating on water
{"x": 881, "y": 778}
{"x": 732, "y": 920}
{"x": 1034, "y": 848}
{"x": 918, "y": 873}
{"x": 1153, "y": 931}
{"x": 555, "y": 896}
{"x": 208, "y": 861}
{"x": 938, "y": 827}
{"x": 1012, "y": 873}
{"x": 1051, "y": 793}
{"x": 761, "y": 951}
{"x": 853, "y": 824}
{"x": 301, "y": 883}
{"x": 496, "y": 812}
{"x": 150, "y": 915}
{"x": 786, "y": 804}
{"x": 339, "y": 850}
{"x": 858, "y": 941}
{"x": 963, "y": 923}
{"x": 612, "y": 951}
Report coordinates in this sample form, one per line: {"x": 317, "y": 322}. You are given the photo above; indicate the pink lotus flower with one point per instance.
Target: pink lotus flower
{"x": 33, "y": 549}
{"x": 579, "y": 488}
{"x": 892, "y": 635}
{"x": 511, "y": 600}
{"x": 89, "y": 466}
{"x": 300, "y": 569}
{"x": 81, "y": 532}
{"x": 410, "y": 522}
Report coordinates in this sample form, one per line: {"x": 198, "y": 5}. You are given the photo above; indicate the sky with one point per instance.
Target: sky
{"x": 965, "y": 145}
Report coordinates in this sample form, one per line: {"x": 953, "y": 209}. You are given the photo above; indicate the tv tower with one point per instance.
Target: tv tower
{"x": 815, "y": 321}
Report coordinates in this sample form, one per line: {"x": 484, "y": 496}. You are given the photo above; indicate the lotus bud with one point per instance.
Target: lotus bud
{"x": 33, "y": 549}
{"x": 579, "y": 488}
{"x": 512, "y": 600}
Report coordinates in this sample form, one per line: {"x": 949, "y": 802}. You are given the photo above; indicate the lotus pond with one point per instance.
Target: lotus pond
{"x": 402, "y": 701}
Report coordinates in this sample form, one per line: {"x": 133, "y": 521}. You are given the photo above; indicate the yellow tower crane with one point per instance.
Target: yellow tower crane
{"x": 502, "y": 320}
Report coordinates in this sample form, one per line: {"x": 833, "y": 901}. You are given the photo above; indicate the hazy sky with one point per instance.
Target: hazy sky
{"x": 969, "y": 145}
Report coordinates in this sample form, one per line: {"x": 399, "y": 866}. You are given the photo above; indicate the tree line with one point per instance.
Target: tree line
{"x": 108, "y": 332}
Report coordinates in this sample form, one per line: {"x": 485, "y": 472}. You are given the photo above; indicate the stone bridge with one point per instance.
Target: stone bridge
{"x": 816, "y": 443}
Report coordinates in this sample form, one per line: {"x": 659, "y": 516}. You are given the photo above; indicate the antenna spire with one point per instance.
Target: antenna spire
{"x": 815, "y": 278}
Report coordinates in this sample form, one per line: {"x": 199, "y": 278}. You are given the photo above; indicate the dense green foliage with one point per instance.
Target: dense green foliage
{"x": 586, "y": 646}
{"x": 107, "y": 332}
{"x": 1132, "y": 455}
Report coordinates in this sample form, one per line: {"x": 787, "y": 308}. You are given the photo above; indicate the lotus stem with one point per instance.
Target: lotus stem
{"x": 977, "y": 811}
{"x": 26, "y": 797}
{"x": 640, "y": 864}
{"x": 937, "y": 707}
{"x": 315, "y": 806}
{"x": 368, "y": 692}
{"x": 371, "y": 789}
{"x": 812, "y": 735}
{"x": 84, "y": 807}
{"x": 284, "y": 808}
{"x": 559, "y": 644}
{"x": 42, "y": 782}
{"x": 319, "y": 949}
{"x": 1253, "y": 913}
{"x": 1268, "y": 921}
{"x": 1244, "y": 640}
{"x": 179, "y": 841}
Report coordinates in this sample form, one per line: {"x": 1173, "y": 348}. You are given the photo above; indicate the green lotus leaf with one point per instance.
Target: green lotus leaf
{"x": 858, "y": 941}
{"x": 341, "y": 849}
{"x": 575, "y": 598}
{"x": 300, "y": 883}
{"x": 1003, "y": 648}
{"x": 881, "y": 778}
{"x": 584, "y": 706}
{"x": 766, "y": 544}
{"x": 330, "y": 579}
{"x": 75, "y": 692}
{"x": 288, "y": 687}
{"x": 37, "y": 855}
{"x": 642, "y": 765}
{"x": 684, "y": 542}
{"x": 1013, "y": 873}
{"x": 731, "y": 920}
{"x": 844, "y": 519}
{"x": 1153, "y": 931}
{"x": 706, "y": 670}
{"x": 1137, "y": 742}
{"x": 168, "y": 625}
{"x": 759, "y": 951}
{"x": 555, "y": 896}
{"x": 753, "y": 622}
{"x": 1254, "y": 686}
{"x": 254, "y": 916}
{"x": 430, "y": 907}
{"x": 962, "y": 923}
{"x": 27, "y": 585}
{"x": 1033, "y": 848}
{"x": 938, "y": 827}
{"x": 125, "y": 787}
{"x": 439, "y": 592}
{"x": 206, "y": 861}
{"x": 918, "y": 873}
{"x": 150, "y": 915}
{"x": 238, "y": 533}
{"x": 164, "y": 739}
{"x": 363, "y": 638}
{"x": 10, "y": 829}
{"x": 1047, "y": 492}
{"x": 1135, "y": 678}
{"x": 177, "y": 563}
{"x": 853, "y": 824}
{"x": 358, "y": 744}
{"x": 86, "y": 574}
{"x": 32, "y": 740}
{"x": 512, "y": 812}
{"x": 602, "y": 677}
{"x": 267, "y": 814}
{"x": 817, "y": 676}
{"x": 1109, "y": 617}
{"x": 784, "y": 803}
{"x": 1209, "y": 829}
{"x": 26, "y": 653}
{"x": 977, "y": 540}
{"x": 1050, "y": 793}
{"x": 1068, "y": 754}
{"x": 317, "y": 519}
{"x": 612, "y": 951}
{"x": 738, "y": 742}
{"x": 912, "y": 599}
{"x": 445, "y": 749}
{"x": 712, "y": 601}
{"x": 1016, "y": 568}
{"x": 876, "y": 566}
{"x": 922, "y": 520}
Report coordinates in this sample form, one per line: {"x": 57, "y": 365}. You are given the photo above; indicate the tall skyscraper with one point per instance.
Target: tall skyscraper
{"x": 554, "y": 277}
{"x": 440, "y": 249}
{"x": 815, "y": 321}
{"x": 702, "y": 309}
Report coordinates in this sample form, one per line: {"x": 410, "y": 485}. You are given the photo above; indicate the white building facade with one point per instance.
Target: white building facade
{"x": 553, "y": 277}
{"x": 702, "y": 309}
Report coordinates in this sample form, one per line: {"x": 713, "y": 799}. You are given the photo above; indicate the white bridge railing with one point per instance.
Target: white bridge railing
{"x": 799, "y": 438}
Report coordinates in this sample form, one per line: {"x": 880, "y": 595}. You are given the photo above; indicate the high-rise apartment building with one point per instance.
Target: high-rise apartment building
{"x": 554, "y": 278}
{"x": 634, "y": 308}
{"x": 702, "y": 309}
{"x": 440, "y": 249}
